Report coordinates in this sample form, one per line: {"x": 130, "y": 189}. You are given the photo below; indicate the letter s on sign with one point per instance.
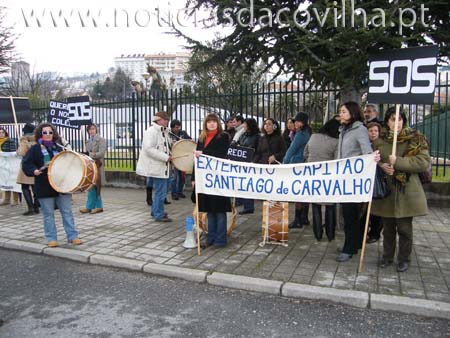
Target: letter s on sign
{"x": 430, "y": 77}
{"x": 379, "y": 76}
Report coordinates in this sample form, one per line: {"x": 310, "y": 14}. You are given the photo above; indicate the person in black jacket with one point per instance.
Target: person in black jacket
{"x": 249, "y": 139}
{"x": 35, "y": 163}
{"x": 213, "y": 141}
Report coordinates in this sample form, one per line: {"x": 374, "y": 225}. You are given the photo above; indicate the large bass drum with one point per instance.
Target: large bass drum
{"x": 183, "y": 155}
{"x": 71, "y": 172}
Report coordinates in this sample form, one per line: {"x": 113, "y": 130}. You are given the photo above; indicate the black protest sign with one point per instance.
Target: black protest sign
{"x": 58, "y": 115}
{"x": 240, "y": 154}
{"x": 21, "y": 107}
{"x": 79, "y": 110}
{"x": 406, "y": 75}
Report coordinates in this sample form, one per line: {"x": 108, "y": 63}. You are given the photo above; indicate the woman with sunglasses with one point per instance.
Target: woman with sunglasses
{"x": 35, "y": 163}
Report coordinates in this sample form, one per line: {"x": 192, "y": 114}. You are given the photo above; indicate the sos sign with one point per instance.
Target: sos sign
{"x": 405, "y": 75}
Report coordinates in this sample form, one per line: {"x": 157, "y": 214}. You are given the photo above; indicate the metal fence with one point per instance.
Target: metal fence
{"x": 123, "y": 121}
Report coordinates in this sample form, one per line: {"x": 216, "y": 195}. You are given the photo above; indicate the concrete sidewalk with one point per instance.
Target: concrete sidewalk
{"x": 126, "y": 236}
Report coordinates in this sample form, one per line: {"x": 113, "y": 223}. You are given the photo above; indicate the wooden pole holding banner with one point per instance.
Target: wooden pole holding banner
{"x": 13, "y": 109}
{"x": 394, "y": 142}
{"x": 366, "y": 227}
{"x": 198, "y": 221}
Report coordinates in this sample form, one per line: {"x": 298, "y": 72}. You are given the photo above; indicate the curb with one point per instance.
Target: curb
{"x": 349, "y": 297}
{"x": 193, "y": 275}
{"x": 421, "y": 307}
{"x": 117, "y": 262}
{"x": 245, "y": 283}
{"x": 360, "y": 299}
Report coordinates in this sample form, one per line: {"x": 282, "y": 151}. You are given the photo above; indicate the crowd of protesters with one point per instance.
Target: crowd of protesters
{"x": 350, "y": 133}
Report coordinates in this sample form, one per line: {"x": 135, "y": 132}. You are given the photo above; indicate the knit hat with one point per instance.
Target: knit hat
{"x": 160, "y": 115}
{"x": 28, "y": 128}
{"x": 301, "y": 117}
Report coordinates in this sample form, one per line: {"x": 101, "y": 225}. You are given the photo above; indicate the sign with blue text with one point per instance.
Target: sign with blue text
{"x": 406, "y": 75}
{"x": 338, "y": 181}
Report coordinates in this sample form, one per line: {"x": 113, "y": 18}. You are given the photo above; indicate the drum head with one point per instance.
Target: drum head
{"x": 183, "y": 155}
{"x": 66, "y": 171}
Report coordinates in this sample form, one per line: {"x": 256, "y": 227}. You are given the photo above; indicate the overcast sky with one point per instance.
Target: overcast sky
{"x": 124, "y": 27}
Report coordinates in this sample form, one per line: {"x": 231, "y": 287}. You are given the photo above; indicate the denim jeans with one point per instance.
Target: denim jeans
{"x": 217, "y": 228}
{"x": 177, "y": 182}
{"x": 94, "y": 201}
{"x": 64, "y": 203}
{"x": 160, "y": 192}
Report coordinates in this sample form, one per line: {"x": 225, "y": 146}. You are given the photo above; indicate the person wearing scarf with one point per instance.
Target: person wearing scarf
{"x": 8, "y": 145}
{"x": 213, "y": 141}
{"x": 96, "y": 148}
{"x": 407, "y": 197}
{"x": 35, "y": 164}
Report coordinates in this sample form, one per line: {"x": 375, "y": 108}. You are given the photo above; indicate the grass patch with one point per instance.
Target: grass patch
{"x": 439, "y": 175}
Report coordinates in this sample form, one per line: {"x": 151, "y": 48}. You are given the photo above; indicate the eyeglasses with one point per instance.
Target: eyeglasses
{"x": 47, "y": 133}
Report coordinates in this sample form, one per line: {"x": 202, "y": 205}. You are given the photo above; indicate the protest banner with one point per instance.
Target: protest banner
{"x": 337, "y": 181}
{"x": 58, "y": 115}
{"x": 9, "y": 168}
{"x": 15, "y": 110}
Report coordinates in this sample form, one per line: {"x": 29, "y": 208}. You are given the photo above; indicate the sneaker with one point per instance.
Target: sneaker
{"x": 52, "y": 244}
{"x": 372, "y": 240}
{"x": 343, "y": 257}
{"x": 75, "y": 241}
{"x": 96, "y": 211}
{"x": 182, "y": 195}
{"x": 244, "y": 212}
{"x": 166, "y": 201}
{"x": 85, "y": 210}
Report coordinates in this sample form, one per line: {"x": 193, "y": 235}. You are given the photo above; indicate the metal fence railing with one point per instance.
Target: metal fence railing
{"x": 123, "y": 121}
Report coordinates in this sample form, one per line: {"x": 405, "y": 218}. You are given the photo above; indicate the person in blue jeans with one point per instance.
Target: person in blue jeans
{"x": 96, "y": 148}
{"x": 213, "y": 141}
{"x": 35, "y": 164}
{"x": 154, "y": 162}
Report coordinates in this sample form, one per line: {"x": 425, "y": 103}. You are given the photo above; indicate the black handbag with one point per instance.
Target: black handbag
{"x": 426, "y": 176}
{"x": 381, "y": 188}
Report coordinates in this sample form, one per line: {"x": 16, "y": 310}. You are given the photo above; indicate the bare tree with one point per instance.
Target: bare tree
{"x": 7, "y": 39}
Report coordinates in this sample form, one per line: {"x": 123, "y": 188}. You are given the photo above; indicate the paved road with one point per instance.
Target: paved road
{"x": 42, "y": 296}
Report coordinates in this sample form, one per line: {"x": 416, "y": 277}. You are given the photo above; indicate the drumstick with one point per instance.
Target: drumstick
{"x": 181, "y": 156}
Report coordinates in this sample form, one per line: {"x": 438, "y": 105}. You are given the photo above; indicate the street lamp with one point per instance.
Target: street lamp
{"x": 146, "y": 77}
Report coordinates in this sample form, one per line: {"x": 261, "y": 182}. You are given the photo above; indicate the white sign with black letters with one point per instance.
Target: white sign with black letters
{"x": 406, "y": 75}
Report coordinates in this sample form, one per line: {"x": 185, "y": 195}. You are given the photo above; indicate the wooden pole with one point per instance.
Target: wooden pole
{"x": 366, "y": 227}
{"x": 198, "y": 222}
{"x": 13, "y": 108}
{"x": 394, "y": 142}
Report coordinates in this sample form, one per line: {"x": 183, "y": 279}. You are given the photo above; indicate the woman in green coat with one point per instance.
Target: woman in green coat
{"x": 407, "y": 198}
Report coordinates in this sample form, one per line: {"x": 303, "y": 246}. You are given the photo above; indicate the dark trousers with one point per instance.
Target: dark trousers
{"x": 402, "y": 227}
{"x": 352, "y": 228}
{"x": 376, "y": 225}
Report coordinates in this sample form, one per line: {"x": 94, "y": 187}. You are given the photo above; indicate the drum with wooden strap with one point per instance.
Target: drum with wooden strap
{"x": 71, "y": 172}
{"x": 183, "y": 155}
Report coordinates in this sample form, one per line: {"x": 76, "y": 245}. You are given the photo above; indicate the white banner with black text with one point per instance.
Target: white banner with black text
{"x": 338, "y": 181}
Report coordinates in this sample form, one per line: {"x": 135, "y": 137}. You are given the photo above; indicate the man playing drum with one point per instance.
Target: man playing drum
{"x": 154, "y": 161}
{"x": 178, "y": 176}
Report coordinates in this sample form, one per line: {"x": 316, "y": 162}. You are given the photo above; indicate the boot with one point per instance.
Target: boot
{"x": 149, "y": 196}
{"x": 304, "y": 215}
{"x": 36, "y": 204}
{"x": 330, "y": 221}
{"x": 29, "y": 200}
{"x": 317, "y": 221}
{"x": 296, "y": 222}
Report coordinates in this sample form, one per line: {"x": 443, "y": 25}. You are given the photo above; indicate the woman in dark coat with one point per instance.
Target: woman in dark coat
{"x": 249, "y": 139}
{"x": 213, "y": 141}
{"x": 271, "y": 147}
{"x": 35, "y": 164}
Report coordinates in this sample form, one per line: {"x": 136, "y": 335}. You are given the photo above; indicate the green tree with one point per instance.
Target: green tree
{"x": 7, "y": 39}
{"x": 323, "y": 47}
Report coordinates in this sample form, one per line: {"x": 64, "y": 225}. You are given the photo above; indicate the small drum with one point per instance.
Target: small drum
{"x": 275, "y": 222}
{"x": 71, "y": 172}
{"x": 183, "y": 155}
